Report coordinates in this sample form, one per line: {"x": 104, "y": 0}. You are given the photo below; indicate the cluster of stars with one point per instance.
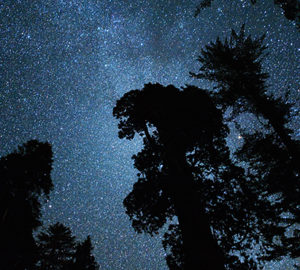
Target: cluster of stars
{"x": 63, "y": 65}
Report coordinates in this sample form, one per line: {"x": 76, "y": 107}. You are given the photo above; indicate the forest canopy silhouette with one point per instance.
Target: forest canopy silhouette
{"x": 225, "y": 205}
{"x": 219, "y": 207}
{"x": 25, "y": 182}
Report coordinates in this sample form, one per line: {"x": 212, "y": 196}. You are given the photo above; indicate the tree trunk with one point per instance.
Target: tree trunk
{"x": 201, "y": 251}
{"x": 200, "y": 247}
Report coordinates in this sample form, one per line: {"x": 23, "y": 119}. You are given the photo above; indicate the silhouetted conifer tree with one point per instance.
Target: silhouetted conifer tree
{"x": 83, "y": 258}
{"x": 59, "y": 250}
{"x": 272, "y": 156}
{"x": 235, "y": 65}
{"x": 24, "y": 179}
{"x": 56, "y": 248}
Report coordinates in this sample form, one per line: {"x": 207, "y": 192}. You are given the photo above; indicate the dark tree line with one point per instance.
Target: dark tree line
{"x": 58, "y": 249}
{"x": 235, "y": 66}
{"x": 225, "y": 203}
{"x": 25, "y": 181}
{"x": 223, "y": 209}
{"x": 24, "y": 177}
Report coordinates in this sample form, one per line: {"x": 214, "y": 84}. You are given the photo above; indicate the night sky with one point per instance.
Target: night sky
{"x": 63, "y": 65}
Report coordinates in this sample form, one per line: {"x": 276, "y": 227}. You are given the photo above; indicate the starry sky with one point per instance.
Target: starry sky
{"x": 63, "y": 65}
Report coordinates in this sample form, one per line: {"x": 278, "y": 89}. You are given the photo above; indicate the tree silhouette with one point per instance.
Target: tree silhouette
{"x": 280, "y": 175}
{"x": 24, "y": 179}
{"x": 291, "y": 8}
{"x": 181, "y": 118}
{"x": 56, "y": 248}
{"x": 235, "y": 66}
{"x": 83, "y": 258}
{"x": 185, "y": 171}
{"x": 59, "y": 250}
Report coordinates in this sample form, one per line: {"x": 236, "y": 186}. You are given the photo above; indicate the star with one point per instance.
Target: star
{"x": 65, "y": 63}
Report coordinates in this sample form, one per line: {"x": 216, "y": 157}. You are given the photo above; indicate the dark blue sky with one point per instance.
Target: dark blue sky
{"x": 63, "y": 64}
